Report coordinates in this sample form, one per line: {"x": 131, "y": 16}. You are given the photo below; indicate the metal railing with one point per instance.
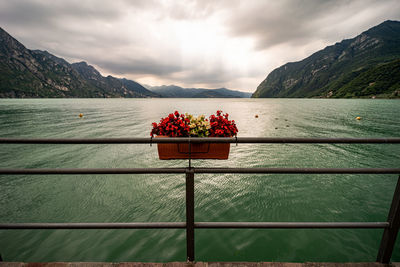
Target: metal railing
{"x": 391, "y": 226}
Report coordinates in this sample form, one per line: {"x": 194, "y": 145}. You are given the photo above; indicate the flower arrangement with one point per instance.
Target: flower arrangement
{"x": 184, "y": 125}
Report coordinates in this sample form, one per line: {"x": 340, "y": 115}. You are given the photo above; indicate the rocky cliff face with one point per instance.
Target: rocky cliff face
{"x": 328, "y": 71}
{"x": 35, "y": 73}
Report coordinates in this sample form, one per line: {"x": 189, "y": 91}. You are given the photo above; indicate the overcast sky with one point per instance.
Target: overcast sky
{"x": 204, "y": 43}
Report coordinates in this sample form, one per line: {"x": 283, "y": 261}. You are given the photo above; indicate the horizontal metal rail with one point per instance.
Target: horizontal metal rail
{"x": 300, "y": 170}
{"x": 148, "y": 225}
{"x": 255, "y": 140}
{"x": 202, "y": 170}
{"x": 199, "y": 225}
{"x": 93, "y": 171}
{"x": 291, "y": 225}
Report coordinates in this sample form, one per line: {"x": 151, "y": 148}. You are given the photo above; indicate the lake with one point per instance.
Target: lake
{"x": 218, "y": 197}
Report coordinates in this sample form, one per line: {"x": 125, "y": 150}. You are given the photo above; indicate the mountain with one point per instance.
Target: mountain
{"x": 119, "y": 87}
{"x": 357, "y": 67}
{"x": 36, "y": 73}
{"x": 173, "y": 91}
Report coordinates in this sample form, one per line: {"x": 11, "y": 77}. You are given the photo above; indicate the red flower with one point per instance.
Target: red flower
{"x": 221, "y": 126}
{"x": 175, "y": 125}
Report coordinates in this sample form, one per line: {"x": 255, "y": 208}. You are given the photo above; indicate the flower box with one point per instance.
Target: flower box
{"x": 185, "y": 125}
{"x": 197, "y": 151}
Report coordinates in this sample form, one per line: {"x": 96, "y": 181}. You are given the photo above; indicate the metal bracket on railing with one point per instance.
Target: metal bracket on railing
{"x": 151, "y": 140}
{"x": 236, "y": 140}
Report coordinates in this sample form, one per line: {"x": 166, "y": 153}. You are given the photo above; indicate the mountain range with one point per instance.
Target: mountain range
{"x": 35, "y": 73}
{"x": 364, "y": 66}
{"x": 179, "y": 92}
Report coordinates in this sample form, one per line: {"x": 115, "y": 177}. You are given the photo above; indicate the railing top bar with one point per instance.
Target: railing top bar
{"x": 57, "y": 171}
{"x": 144, "y": 140}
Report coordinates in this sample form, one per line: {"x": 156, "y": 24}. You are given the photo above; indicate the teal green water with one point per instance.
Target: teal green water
{"x": 152, "y": 198}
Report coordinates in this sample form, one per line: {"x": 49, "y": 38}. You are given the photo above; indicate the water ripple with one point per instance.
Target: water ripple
{"x": 226, "y": 197}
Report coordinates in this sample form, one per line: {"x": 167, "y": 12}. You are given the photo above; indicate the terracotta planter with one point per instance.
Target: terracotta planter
{"x": 198, "y": 151}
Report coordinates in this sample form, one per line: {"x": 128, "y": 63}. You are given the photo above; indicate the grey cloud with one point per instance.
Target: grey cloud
{"x": 211, "y": 78}
{"x": 138, "y": 66}
{"x": 299, "y": 22}
{"x": 58, "y": 23}
{"x": 196, "y": 9}
{"x": 39, "y": 12}
{"x": 214, "y": 75}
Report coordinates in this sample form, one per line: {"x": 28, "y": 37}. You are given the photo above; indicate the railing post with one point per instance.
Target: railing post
{"x": 390, "y": 233}
{"x": 190, "y": 214}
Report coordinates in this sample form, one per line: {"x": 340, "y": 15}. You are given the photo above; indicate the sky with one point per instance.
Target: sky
{"x": 203, "y": 43}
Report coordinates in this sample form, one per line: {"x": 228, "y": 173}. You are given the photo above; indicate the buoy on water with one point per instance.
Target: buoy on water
{"x": 358, "y": 118}
{"x": 80, "y": 115}
{"x": 256, "y": 116}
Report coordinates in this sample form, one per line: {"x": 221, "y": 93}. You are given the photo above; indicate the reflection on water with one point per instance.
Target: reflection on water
{"x": 219, "y": 197}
